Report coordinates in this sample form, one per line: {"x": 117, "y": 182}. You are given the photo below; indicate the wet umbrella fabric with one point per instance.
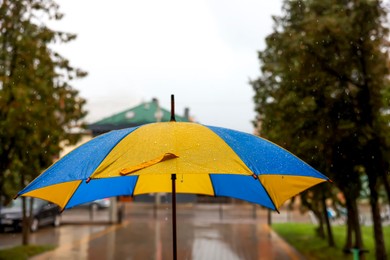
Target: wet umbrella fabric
{"x": 206, "y": 160}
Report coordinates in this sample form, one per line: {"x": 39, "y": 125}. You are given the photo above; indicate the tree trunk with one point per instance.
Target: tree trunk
{"x": 313, "y": 206}
{"x": 25, "y": 219}
{"x": 373, "y": 159}
{"x": 320, "y": 229}
{"x": 375, "y": 168}
{"x": 350, "y": 226}
{"x": 380, "y": 250}
{"x": 25, "y": 223}
{"x": 357, "y": 228}
{"x": 354, "y": 234}
{"x": 327, "y": 222}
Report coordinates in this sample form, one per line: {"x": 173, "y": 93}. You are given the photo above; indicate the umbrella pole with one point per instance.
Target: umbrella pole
{"x": 173, "y": 178}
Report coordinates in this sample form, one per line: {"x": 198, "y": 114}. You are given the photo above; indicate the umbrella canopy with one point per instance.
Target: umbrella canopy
{"x": 206, "y": 160}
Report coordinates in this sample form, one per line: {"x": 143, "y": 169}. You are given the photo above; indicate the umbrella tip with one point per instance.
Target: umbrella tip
{"x": 16, "y": 196}
{"x": 88, "y": 180}
{"x": 173, "y": 119}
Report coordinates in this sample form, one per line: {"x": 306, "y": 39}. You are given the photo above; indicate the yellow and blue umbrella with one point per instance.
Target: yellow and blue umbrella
{"x": 207, "y": 160}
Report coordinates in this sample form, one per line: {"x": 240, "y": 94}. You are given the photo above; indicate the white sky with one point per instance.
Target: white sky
{"x": 202, "y": 51}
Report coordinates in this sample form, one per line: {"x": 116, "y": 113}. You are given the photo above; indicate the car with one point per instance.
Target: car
{"x": 44, "y": 213}
{"x": 97, "y": 204}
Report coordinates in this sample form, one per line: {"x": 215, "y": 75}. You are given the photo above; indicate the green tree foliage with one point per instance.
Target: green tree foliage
{"x": 323, "y": 94}
{"x": 38, "y": 107}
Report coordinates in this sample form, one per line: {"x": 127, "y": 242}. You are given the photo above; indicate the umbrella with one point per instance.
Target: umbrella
{"x": 206, "y": 160}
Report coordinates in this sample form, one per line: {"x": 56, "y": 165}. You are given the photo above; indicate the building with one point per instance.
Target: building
{"x": 145, "y": 113}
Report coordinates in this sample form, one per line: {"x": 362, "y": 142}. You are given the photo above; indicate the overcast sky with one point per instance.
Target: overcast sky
{"x": 202, "y": 51}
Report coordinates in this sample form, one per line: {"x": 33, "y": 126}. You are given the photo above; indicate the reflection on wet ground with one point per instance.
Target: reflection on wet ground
{"x": 203, "y": 232}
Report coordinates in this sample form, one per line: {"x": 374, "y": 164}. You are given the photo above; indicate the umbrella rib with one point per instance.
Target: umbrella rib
{"x": 212, "y": 185}
{"x": 136, "y": 182}
{"x": 71, "y": 196}
{"x": 266, "y": 191}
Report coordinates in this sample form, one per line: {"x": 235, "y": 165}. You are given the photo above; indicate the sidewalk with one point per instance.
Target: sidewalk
{"x": 204, "y": 232}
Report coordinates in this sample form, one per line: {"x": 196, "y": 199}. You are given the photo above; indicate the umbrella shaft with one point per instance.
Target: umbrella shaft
{"x": 173, "y": 178}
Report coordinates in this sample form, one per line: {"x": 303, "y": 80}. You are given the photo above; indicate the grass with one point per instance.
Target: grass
{"x": 303, "y": 238}
{"x": 23, "y": 252}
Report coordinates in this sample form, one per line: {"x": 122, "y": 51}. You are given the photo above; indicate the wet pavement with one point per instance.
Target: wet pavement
{"x": 204, "y": 231}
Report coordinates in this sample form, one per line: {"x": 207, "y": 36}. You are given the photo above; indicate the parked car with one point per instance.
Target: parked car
{"x": 44, "y": 213}
{"x": 97, "y": 204}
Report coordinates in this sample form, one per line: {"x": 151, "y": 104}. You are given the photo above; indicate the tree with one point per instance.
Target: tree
{"x": 324, "y": 74}
{"x": 38, "y": 107}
